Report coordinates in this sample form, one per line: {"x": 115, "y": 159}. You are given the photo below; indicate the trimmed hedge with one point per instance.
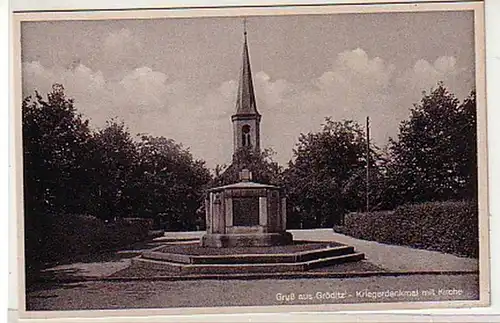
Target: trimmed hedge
{"x": 450, "y": 227}
{"x": 60, "y": 237}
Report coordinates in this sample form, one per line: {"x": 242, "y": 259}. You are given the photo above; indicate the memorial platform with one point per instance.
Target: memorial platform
{"x": 299, "y": 256}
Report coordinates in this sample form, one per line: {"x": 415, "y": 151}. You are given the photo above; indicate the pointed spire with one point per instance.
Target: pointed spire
{"x": 245, "y": 101}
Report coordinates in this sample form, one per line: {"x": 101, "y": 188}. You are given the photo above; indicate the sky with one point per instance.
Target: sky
{"x": 178, "y": 77}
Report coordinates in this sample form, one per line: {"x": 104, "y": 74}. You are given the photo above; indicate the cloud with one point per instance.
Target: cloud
{"x": 272, "y": 93}
{"x": 357, "y": 65}
{"x": 424, "y": 75}
{"x": 118, "y": 40}
{"x": 145, "y": 89}
{"x": 96, "y": 97}
{"x": 121, "y": 47}
{"x": 148, "y": 103}
{"x": 353, "y": 87}
{"x": 82, "y": 80}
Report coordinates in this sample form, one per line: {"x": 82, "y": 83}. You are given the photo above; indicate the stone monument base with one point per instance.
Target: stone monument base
{"x": 246, "y": 240}
{"x": 187, "y": 259}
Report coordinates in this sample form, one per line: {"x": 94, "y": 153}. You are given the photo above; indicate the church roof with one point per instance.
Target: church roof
{"x": 245, "y": 100}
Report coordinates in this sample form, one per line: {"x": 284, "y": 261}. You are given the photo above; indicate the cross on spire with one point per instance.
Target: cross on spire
{"x": 245, "y": 102}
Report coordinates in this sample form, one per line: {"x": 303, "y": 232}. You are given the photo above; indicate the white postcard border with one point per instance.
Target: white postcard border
{"x": 218, "y": 12}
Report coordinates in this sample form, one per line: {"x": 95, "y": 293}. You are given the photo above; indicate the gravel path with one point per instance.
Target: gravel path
{"x": 389, "y": 257}
{"x": 394, "y": 258}
{"x": 97, "y": 265}
{"x": 386, "y": 257}
{"x": 209, "y": 293}
{"x": 97, "y": 295}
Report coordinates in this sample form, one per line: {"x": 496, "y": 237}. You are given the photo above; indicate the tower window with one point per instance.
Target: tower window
{"x": 245, "y": 136}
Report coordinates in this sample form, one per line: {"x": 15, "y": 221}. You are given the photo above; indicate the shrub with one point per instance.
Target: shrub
{"x": 450, "y": 227}
{"x": 60, "y": 237}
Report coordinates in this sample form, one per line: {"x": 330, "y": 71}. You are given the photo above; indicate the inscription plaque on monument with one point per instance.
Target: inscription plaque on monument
{"x": 246, "y": 211}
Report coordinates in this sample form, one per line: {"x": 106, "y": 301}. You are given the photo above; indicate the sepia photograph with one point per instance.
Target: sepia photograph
{"x": 284, "y": 158}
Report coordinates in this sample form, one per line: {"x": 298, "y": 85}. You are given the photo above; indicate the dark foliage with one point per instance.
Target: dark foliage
{"x": 450, "y": 227}
{"x": 114, "y": 157}
{"x": 326, "y": 179}
{"x": 435, "y": 155}
{"x": 168, "y": 184}
{"x": 69, "y": 169}
{"x": 72, "y": 235}
{"x": 260, "y": 164}
{"x": 56, "y": 150}
{"x": 434, "y": 158}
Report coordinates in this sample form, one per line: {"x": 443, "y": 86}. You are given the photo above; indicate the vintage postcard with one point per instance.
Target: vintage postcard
{"x": 251, "y": 159}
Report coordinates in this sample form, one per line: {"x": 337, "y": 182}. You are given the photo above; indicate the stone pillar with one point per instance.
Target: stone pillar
{"x": 229, "y": 211}
{"x": 218, "y": 213}
{"x": 263, "y": 220}
{"x": 283, "y": 214}
{"x": 279, "y": 218}
{"x": 273, "y": 210}
{"x": 208, "y": 214}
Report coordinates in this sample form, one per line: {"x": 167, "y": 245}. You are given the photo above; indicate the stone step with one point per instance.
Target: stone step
{"x": 303, "y": 256}
{"x": 193, "y": 269}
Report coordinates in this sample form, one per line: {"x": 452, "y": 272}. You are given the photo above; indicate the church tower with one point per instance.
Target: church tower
{"x": 246, "y": 120}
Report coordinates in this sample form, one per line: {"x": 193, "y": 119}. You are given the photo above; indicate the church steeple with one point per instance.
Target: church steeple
{"x": 246, "y": 120}
{"x": 245, "y": 102}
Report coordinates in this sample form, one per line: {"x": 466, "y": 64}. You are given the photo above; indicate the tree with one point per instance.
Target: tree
{"x": 169, "y": 183}
{"x": 264, "y": 169}
{"x": 356, "y": 187}
{"x": 114, "y": 159}
{"x": 321, "y": 180}
{"x": 434, "y": 156}
{"x": 56, "y": 145}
